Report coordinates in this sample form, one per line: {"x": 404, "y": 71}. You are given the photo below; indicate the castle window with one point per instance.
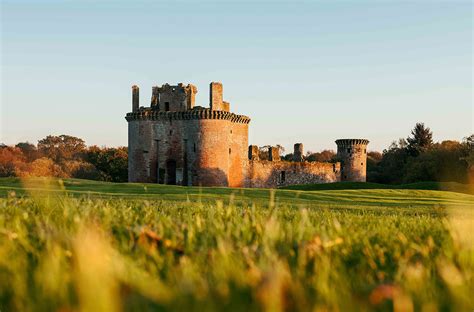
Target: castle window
{"x": 167, "y": 106}
{"x": 230, "y": 131}
{"x": 348, "y": 150}
{"x": 194, "y": 147}
{"x": 361, "y": 164}
{"x": 282, "y": 177}
{"x": 230, "y": 150}
{"x": 365, "y": 151}
{"x": 171, "y": 132}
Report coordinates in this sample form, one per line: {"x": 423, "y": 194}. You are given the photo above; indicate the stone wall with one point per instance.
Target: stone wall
{"x": 352, "y": 153}
{"x": 272, "y": 174}
{"x": 140, "y": 149}
{"x": 216, "y": 97}
{"x": 173, "y": 98}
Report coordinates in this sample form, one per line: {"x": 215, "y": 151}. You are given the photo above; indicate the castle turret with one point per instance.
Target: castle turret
{"x": 352, "y": 153}
{"x": 135, "y": 98}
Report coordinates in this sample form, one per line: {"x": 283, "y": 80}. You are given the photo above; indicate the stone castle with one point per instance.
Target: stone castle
{"x": 175, "y": 142}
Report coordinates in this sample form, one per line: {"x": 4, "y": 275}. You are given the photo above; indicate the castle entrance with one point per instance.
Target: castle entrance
{"x": 171, "y": 172}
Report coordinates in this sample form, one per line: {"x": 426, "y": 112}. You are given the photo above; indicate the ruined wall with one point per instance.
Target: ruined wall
{"x": 173, "y": 98}
{"x": 272, "y": 174}
{"x": 140, "y": 151}
{"x": 352, "y": 153}
{"x": 216, "y": 97}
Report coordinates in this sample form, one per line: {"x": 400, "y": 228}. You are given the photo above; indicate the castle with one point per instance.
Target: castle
{"x": 175, "y": 142}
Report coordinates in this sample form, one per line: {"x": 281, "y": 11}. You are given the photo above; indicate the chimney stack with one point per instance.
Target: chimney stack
{"x": 298, "y": 152}
{"x": 135, "y": 98}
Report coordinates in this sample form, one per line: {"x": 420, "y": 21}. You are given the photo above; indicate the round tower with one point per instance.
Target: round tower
{"x": 352, "y": 153}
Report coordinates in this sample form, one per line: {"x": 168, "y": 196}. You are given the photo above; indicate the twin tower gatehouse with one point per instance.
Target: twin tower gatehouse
{"x": 173, "y": 141}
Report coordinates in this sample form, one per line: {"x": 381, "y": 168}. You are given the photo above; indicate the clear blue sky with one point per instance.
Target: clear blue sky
{"x": 304, "y": 71}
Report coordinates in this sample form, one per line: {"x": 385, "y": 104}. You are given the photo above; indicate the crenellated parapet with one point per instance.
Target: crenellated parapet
{"x": 197, "y": 113}
{"x": 350, "y": 142}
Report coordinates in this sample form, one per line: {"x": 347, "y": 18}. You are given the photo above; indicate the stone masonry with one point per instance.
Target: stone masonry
{"x": 352, "y": 153}
{"x": 172, "y": 141}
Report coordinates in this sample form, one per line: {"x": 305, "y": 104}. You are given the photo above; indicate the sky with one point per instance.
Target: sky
{"x": 304, "y": 71}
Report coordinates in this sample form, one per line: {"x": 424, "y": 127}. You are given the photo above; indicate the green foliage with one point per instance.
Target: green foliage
{"x": 434, "y": 186}
{"x": 421, "y": 139}
{"x": 183, "y": 248}
{"x": 62, "y": 147}
{"x": 112, "y": 163}
{"x": 418, "y": 159}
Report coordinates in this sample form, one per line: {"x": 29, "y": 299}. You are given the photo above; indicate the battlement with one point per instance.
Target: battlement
{"x": 196, "y": 113}
{"x": 350, "y": 142}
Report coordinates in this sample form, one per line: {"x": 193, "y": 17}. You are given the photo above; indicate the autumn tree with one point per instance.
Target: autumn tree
{"x": 29, "y": 150}
{"x": 323, "y": 156}
{"x": 263, "y": 151}
{"x": 60, "y": 148}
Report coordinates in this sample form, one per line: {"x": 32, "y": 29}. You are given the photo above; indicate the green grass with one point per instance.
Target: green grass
{"x": 434, "y": 186}
{"x": 93, "y": 246}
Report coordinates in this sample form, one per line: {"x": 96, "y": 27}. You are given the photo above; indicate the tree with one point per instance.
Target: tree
{"x": 29, "y": 150}
{"x": 112, "y": 163}
{"x": 391, "y": 168}
{"x": 42, "y": 167}
{"x": 421, "y": 139}
{"x": 11, "y": 159}
{"x": 323, "y": 156}
{"x": 263, "y": 151}
{"x": 60, "y": 148}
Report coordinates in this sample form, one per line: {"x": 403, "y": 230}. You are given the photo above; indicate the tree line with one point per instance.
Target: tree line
{"x": 413, "y": 159}
{"x": 64, "y": 156}
{"x": 417, "y": 158}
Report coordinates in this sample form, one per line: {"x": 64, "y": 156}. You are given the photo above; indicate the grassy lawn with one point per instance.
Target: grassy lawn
{"x": 94, "y": 246}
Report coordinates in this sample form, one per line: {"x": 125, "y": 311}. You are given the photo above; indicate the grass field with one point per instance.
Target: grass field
{"x": 91, "y": 246}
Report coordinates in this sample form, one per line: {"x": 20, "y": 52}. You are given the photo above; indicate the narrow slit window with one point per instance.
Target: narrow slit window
{"x": 167, "y": 106}
{"x": 282, "y": 176}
